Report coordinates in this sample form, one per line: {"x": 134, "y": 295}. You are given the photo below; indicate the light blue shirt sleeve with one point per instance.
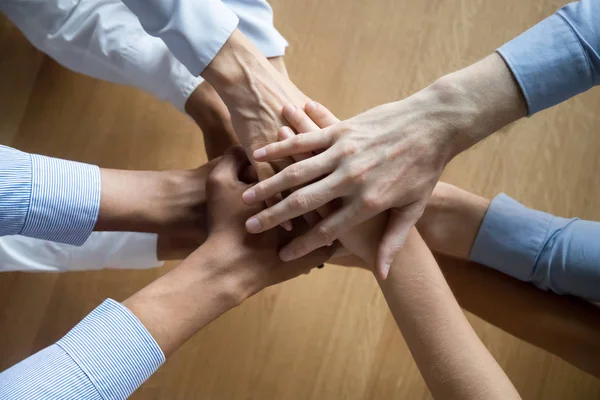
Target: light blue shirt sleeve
{"x": 553, "y": 253}
{"x": 194, "y": 30}
{"x": 559, "y": 57}
{"x": 107, "y": 356}
{"x": 47, "y": 198}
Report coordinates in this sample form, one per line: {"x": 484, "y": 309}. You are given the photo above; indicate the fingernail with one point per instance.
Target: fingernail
{"x": 311, "y": 106}
{"x": 286, "y": 255}
{"x": 289, "y": 108}
{"x": 249, "y": 196}
{"x": 259, "y": 153}
{"x": 287, "y": 225}
{"x": 253, "y": 225}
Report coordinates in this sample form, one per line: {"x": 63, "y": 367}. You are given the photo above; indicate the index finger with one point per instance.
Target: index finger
{"x": 298, "y": 144}
{"x": 326, "y": 231}
{"x": 319, "y": 114}
{"x": 298, "y": 119}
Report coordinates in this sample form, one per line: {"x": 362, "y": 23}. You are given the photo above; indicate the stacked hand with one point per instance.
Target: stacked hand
{"x": 254, "y": 91}
{"x": 250, "y": 262}
{"x": 365, "y": 161}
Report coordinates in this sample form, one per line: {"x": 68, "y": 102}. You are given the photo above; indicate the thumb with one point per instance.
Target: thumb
{"x": 396, "y": 231}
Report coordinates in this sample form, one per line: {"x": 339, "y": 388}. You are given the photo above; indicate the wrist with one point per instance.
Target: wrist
{"x": 477, "y": 101}
{"x": 234, "y": 65}
{"x": 206, "y": 107}
{"x": 180, "y": 303}
{"x": 151, "y": 201}
{"x": 216, "y": 262}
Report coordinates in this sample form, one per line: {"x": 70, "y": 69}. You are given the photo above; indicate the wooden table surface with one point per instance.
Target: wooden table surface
{"x": 328, "y": 335}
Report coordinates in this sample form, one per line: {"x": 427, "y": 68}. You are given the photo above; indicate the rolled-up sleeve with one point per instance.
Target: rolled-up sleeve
{"x": 553, "y": 253}
{"x": 108, "y": 355}
{"x": 559, "y": 57}
{"x": 47, "y": 198}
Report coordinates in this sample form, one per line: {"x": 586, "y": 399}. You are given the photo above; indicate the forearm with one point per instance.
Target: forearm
{"x": 153, "y": 201}
{"x": 562, "y": 325}
{"x": 180, "y": 303}
{"x": 454, "y": 362}
{"x": 476, "y": 101}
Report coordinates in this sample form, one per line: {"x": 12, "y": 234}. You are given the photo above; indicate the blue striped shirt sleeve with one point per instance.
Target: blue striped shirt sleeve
{"x": 559, "y": 57}
{"x": 107, "y": 356}
{"x": 47, "y": 198}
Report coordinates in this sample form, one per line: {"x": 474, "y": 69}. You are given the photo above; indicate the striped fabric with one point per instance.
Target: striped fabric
{"x": 47, "y": 198}
{"x": 107, "y": 356}
{"x": 15, "y": 189}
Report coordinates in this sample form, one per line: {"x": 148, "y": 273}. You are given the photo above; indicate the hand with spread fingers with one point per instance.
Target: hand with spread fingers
{"x": 388, "y": 158}
{"x": 355, "y": 163}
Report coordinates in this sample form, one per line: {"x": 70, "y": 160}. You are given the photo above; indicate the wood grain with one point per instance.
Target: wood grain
{"x": 328, "y": 335}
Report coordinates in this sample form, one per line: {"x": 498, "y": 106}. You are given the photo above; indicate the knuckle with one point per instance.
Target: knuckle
{"x": 293, "y": 174}
{"x": 348, "y": 149}
{"x": 298, "y": 201}
{"x": 297, "y": 141}
{"x": 356, "y": 175}
{"x": 370, "y": 203}
{"x": 326, "y": 234}
{"x": 214, "y": 181}
{"x": 266, "y": 218}
{"x": 343, "y": 130}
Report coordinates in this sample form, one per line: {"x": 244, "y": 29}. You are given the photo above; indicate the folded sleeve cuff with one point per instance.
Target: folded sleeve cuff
{"x": 549, "y": 63}
{"x": 113, "y": 349}
{"x": 511, "y": 238}
{"x": 65, "y": 200}
{"x": 181, "y": 84}
{"x": 15, "y": 189}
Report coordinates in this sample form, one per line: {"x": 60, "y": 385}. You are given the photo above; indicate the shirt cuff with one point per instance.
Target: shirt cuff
{"x": 511, "y": 238}
{"x": 181, "y": 84}
{"x": 194, "y": 31}
{"x": 549, "y": 63}
{"x": 113, "y": 349}
{"x": 65, "y": 200}
{"x": 15, "y": 189}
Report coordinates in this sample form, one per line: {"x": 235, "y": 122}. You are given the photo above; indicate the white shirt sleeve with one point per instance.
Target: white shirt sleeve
{"x": 123, "y": 250}
{"x": 194, "y": 30}
{"x": 103, "y": 39}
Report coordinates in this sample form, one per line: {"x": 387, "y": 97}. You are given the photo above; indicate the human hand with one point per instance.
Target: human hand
{"x": 250, "y": 262}
{"x": 212, "y": 116}
{"x": 413, "y": 139}
{"x": 363, "y": 239}
{"x": 358, "y": 157}
{"x": 254, "y": 91}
